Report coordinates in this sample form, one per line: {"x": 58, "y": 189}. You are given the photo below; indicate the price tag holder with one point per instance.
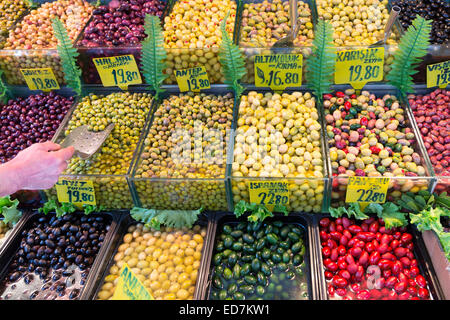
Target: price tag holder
{"x": 357, "y": 67}
{"x": 78, "y": 192}
{"x": 192, "y": 79}
{"x": 129, "y": 287}
{"x": 119, "y": 71}
{"x": 40, "y": 79}
{"x": 367, "y": 190}
{"x": 438, "y": 74}
{"x": 278, "y": 71}
{"x": 269, "y": 193}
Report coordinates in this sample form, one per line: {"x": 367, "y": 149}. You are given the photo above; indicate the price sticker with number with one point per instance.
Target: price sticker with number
{"x": 278, "y": 71}
{"x": 357, "y": 67}
{"x": 192, "y": 79}
{"x": 129, "y": 287}
{"x": 119, "y": 71}
{"x": 40, "y": 79}
{"x": 269, "y": 193}
{"x": 367, "y": 189}
{"x": 78, "y": 192}
{"x": 438, "y": 74}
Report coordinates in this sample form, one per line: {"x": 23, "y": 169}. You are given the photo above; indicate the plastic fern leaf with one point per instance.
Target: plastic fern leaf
{"x": 412, "y": 47}
{"x": 321, "y": 63}
{"x": 68, "y": 55}
{"x": 154, "y": 54}
{"x": 230, "y": 57}
{"x": 4, "y": 91}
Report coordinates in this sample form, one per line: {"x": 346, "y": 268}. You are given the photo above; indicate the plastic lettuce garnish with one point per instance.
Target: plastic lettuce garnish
{"x": 67, "y": 54}
{"x": 4, "y": 91}
{"x": 177, "y": 219}
{"x": 412, "y": 47}
{"x": 60, "y": 210}
{"x": 9, "y": 211}
{"x": 88, "y": 209}
{"x": 232, "y": 61}
{"x": 154, "y": 54}
{"x": 389, "y": 212}
{"x": 258, "y": 212}
{"x": 353, "y": 210}
{"x": 320, "y": 64}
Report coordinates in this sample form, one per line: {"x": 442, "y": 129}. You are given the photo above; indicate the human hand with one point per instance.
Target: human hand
{"x": 39, "y": 166}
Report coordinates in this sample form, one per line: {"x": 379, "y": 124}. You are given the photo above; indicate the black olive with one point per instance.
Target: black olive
{"x": 49, "y": 243}
{"x": 15, "y": 276}
{"x": 74, "y": 293}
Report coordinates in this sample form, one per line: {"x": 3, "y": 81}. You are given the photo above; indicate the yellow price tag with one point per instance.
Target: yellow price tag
{"x": 192, "y": 79}
{"x": 40, "y": 79}
{"x": 359, "y": 66}
{"x": 367, "y": 189}
{"x": 278, "y": 71}
{"x": 269, "y": 193}
{"x": 129, "y": 287}
{"x": 438, "y": 74}
{"x": 78, "y": 192}
{"x": 119, "y": 71}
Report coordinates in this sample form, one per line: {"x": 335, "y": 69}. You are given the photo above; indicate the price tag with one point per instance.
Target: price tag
{"x": 359, "y": 66}
{"x": 278, "y": 71}
{"x": 192, "y": 79}
{"x": 269, "y": 193}
{"x": 78, "y": 192}
{"x": 40, "y": 79}
{"x": 367, "y": 189}
{"x": 120, "y": 71}
{"x": 438, "y": 74}
{"x": 129, "y": 287}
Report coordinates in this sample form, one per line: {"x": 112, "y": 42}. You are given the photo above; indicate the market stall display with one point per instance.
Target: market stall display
{"x": 167, "y": 262}
{"x": 28, "y": 120}
{"x": 110, "y": 165}
{"x": 10, "y": 12}
{"x": 278, "y": 137}
{"x": 184, "y": 153}
{"x": 31, "y": 44}
{"x": 51, "y": 258}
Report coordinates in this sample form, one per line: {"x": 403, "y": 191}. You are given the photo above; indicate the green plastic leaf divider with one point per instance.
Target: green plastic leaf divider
{"x": 232, "y": 61}
{"x": 5, "y": 94}
{"x": 68, "y": 55}
{"x": 31, "y": 4}
{"x": 412, "y": 47}
{"x": 320, "y": 65}
{"x": 153, "y": 54}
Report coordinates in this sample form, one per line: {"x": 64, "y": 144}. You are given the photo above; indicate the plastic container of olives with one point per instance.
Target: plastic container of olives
{"x": 12, "y": 60}
{"x": 109, "y": 262}
{"x": 171, "y": 181}
{"x": 55, "y": 279}
{"x": 398, "y": 184}
{"x": 112, "y": 190}
{"x": 307, "y": 194}
{"x": 420, "y": 252}
{"x": 264, "y": 275}
{"x": 249, "y": 39}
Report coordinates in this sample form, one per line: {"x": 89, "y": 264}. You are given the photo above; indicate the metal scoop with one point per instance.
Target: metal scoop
{"x": 288, "y": 41}
{"x": 85, "y": 142}
{"x": 395, "y": 11}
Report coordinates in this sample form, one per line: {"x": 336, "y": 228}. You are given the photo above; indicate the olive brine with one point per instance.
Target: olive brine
{"x": 263, "y": 261}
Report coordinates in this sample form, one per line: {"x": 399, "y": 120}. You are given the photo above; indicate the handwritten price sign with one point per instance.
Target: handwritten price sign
{"x": 40, "y": 79}
{"x": 357, "y": 67}
{"x": 192, "y": 79}
{"x": 269, "y": 193}
{"x": 367, "y": 189}
{"x": 120, "y": 71}
{"x": 278, "y": 71}
{"x": 438, "y": 74}
{"x": 78, "y": 192}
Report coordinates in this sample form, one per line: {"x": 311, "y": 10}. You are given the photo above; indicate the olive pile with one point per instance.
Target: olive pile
{"x": 262, "y": 261}
{"x": 128, "y": 111}
{"x": 166, "y": 262}
{"x": 187, "y": 140}
{"x": 55, "y": 257}
{"x": 10, "y": 11}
